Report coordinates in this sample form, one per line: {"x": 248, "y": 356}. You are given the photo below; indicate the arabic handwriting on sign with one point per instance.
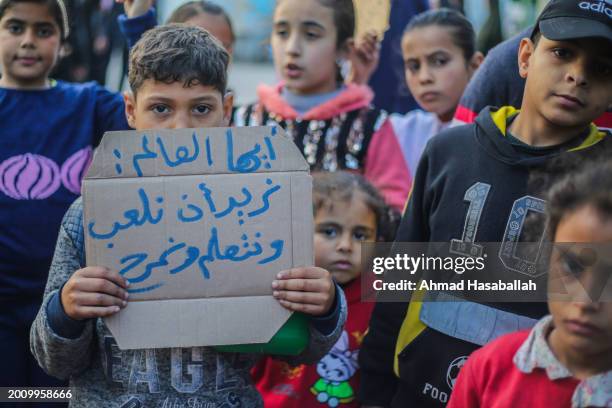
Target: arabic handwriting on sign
{"x": 118, "y": 167}
{"x": 231, "y": 252}
{"x": 148, "y": 154}
{"x": 134, "y": 260}
{"x": 234, "y": 203}
{"x": 133, "y": 217}
{"x": 187, "y": 256}
{"x": 209, "y": 159}
{"x": 181, "y": 154}
{"x": 265, "y": 198}
{"x": 247, "y": 162}
{"x": 197, "y": 212}
{"x": 277, "y": 245}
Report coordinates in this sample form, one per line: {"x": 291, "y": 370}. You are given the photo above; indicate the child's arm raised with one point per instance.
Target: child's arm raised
{"x": 364, "y": 57}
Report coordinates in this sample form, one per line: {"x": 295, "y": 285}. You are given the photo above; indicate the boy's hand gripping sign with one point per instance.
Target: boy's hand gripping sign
{"x": 199, "y": 221}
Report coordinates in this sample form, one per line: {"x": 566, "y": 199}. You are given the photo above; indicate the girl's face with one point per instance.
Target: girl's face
{"x": 436, "y": 70}
{"x": 304, "y": 46}
{"x": 29, "y": 45}
{"x": 582, "y": 324}
{"x": 339, "y": 232}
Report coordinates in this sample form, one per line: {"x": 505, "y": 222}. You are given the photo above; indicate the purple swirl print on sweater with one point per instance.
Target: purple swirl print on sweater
{"x": 34, "y": 177}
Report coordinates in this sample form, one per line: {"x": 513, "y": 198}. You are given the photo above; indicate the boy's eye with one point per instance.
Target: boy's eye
{"x": 15, "y": 28}
{"x": 563, "y": 53}
{"x": 202, "y": 109}
{"x": 603, "y": 69}
{"x": 160, "y": 109}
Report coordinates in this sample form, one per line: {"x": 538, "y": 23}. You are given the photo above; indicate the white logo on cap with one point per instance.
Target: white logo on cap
{"x": 599, "y": 7}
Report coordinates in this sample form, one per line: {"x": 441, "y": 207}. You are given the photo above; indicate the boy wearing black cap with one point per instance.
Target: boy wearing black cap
{"x": 471, "y": 186}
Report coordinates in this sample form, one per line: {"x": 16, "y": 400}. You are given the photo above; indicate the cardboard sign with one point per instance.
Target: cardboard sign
{"x": 199, "y": 221}
{"x": 371, "y": 15}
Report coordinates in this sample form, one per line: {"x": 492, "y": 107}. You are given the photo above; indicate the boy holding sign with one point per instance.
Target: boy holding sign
{"x": 178, "y": 77}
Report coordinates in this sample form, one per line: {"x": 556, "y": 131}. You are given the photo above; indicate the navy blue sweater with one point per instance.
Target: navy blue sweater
{"x": 46, "y": 141}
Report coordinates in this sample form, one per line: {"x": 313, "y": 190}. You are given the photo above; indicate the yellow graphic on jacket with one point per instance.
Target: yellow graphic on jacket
{"x": 335, "y": 370}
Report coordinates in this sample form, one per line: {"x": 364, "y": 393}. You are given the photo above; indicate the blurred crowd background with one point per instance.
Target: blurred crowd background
{"x": 98, "y": 51}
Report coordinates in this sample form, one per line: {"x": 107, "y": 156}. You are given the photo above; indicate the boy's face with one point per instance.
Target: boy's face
{"x": 29, "y": 45}
{"x": 160, "y": 105}
{"x": 568, "y": 82}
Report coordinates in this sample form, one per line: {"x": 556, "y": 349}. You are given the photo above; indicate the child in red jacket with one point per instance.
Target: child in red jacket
{"x": 566, "y": 359}
{"x": 348, "y": 211}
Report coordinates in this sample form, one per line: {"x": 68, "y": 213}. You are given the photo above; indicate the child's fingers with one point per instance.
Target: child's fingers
{"x": 90, "y": 312}
{"x": 97, "y": 299}
{"x": 104, "y": 273}
{"x": 301, "y": 307}
{"x": 311, "y": 272}
{"x": 302, "y": 285}
{"x": 301, "y": 297}
{"x": 102, "y": 286}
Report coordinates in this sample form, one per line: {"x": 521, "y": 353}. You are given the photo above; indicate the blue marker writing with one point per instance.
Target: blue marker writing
{"x": 265, "y": 198}
{"x": 233, "y": 203}
{"x": 141, "y": 156}
{"x": 248, "y": 162}
{"x": 182, "y": 153}
{"x": 133, "y": 217}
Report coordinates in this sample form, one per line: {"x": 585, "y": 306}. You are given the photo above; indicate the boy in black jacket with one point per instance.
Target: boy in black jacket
{"x": 471, "y": 186}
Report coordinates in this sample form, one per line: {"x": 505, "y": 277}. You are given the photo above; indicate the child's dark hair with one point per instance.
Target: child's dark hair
{"x": 462, "y": 31}
{"x": 57, "y": 8}
{"x": 344, "y": 19}
{"x": 195, "y": 8}
{"x": 590, "y": 186}
{"x": 340, "y": 186}
{"x": 176, "y": 52}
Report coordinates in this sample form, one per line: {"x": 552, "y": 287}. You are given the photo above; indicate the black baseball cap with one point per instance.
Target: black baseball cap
{"x": 569, "y": 19}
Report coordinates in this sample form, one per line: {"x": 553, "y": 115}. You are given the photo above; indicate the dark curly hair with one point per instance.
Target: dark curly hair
{"x": 175, "y": 52}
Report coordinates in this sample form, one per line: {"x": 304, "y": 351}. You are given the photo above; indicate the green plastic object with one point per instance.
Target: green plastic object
{"x": 291, "y": 339}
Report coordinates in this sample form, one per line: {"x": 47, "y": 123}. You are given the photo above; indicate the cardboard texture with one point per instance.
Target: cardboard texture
{"x": 371, "y": 15}
{"x": 199, "y": 221}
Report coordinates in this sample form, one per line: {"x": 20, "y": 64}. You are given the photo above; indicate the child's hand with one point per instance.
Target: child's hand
{"x": 135, "y": 8}
{"x": 364, "y": 59}
{"x": 308, "y": 290}
{"x": 94, "y": 292}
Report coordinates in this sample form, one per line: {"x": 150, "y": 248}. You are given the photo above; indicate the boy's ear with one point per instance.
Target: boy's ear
{"x": 130, "y": 106}
{"x": 526, "y": 50}
{"x": 228, "y": 104}
{"x": 475, "y": 62}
